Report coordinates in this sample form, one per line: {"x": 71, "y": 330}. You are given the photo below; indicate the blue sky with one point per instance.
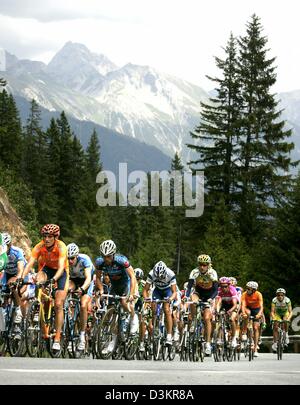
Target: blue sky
{"x": 179, "y": 37}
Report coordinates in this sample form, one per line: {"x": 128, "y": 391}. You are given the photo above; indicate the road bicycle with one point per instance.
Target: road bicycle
{"x": 281, "y": 341}
{"x": 114, "y": 327}
{"x": 40, "y": 322}
{"x": 12, "y": 335}
{"x": 222, "y": 348}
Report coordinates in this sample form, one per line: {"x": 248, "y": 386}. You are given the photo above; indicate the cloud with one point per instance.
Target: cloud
{"x": 56, "y": 10}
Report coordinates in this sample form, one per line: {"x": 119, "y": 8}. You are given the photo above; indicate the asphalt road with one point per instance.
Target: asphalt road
{"x": 264, "y": 370}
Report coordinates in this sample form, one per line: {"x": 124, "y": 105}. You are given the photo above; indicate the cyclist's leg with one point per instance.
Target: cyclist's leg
{"x": 207, "y": 318}
{"x": 245, "y": 322}
{"x": 195, "y": 298}
{"x": 60, "y": 296}
{"x": 256, "y": 327}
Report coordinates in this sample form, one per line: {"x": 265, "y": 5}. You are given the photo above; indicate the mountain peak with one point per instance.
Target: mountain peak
{"x": 77, "y": 67}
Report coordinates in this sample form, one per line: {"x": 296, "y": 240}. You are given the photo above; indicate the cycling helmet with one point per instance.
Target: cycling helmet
{"x": 51, "y": 229}
{"x": 73, "y": 250}
{"x": 138, "y": 273}
{"x": 224, "y": 280}
{"x": 233, "y": 281}
{"x": 281, "y": 290}
{"x": 252, "y": 284}
{"x": 6, "y": 238}
{"x": 108, "y": 248}
{"x": 160, "y": 270}
{"x": 204, "y": 259}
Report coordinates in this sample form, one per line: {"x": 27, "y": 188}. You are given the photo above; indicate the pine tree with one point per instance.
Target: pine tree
{"x": 264, "y": 153}
{"x": 35, "y": 163}
{"x": 10, "y": 133}
{"x": 217, "y": 135}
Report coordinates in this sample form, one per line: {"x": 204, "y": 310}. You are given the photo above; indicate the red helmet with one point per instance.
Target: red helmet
{"x": 51, "y": 229}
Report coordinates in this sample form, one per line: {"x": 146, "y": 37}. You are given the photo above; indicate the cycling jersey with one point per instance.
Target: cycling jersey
{"x": 253, "y": 301}
{"x": 205, "y": 280}
{"x": 117, "y": 270}
{"x": 228, "y": 295}
{"x": 83, "y": 262}
{"x": 141, "y": 286}
{"x": 281, "y": 307}
{"x": 3, "y": 255}
{"x": 239, "y": 291}
{"x": 162, "y": 284}
{"x": 50, "y": 258}
{"x": 14, "y": 255}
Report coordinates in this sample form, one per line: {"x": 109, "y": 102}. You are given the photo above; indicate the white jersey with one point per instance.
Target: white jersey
{"x": 168, "y": 281}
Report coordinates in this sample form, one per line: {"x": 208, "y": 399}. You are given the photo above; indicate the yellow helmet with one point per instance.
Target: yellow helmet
{"x": 204, "y": 259}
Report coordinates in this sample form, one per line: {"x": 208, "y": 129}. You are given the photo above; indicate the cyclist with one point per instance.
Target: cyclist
{"x": 205, "y": 281}
{"x": 281, "y": 309}
{"x": 81, "y": 273}
{"x": 13, "y": 271}
{"x": 51, "y": 255}
{"x": 252, "y": 305}
{"x": 123, "y": 282}
{"x": 239, "y": 291}
{"x": 164, "y": 281}
{"x": 227, "y": 299}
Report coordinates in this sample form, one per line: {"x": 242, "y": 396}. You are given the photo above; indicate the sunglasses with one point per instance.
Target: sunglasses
{"x": 224, "y": 286}
{"x": 72, "y": 258}
{"x": 280, "y": 295}
{"x": 250, "y": 289}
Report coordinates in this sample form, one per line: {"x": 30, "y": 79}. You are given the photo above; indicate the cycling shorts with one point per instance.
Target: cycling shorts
{"x": 62, "y": 282}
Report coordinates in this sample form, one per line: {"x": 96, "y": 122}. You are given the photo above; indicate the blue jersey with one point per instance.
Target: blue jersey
{"x": 14, "y": 255}
{"x": 83, "y": 262}
{"x": 116, "y": 271}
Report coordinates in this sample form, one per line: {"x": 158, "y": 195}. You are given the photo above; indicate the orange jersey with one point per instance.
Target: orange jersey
{"x": 252, "y": 301}
{"x": 50, "y": 258}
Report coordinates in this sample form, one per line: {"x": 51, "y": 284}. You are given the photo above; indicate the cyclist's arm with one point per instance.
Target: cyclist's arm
{"x": 243, "y": 307}
{"x": 20, "y": 267}
{"x": 131, "y": 274}
{"x": 61, "y": 267}
{"x": 88, "y": 278}
{"x": 234, "y": 305}
{"x": 174, "y": 292}
{"x": 214, "y": 290}
{"x": 98, "y": 283}
{"x": 189, "y": 287}
{"x": 218, "y": 303}
{"x": 290, "y": 311}
{"x": 261, "y": 305}
{"x": 146, "y": 290}
{"x": 29, "y": 266}
{"x": 272, "y": 313}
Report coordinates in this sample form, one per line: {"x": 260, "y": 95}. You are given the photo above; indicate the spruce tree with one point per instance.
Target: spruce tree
{"x": 218, "y": 132}
{"x": 10, "y": 133}
{"x": 264, "y": 152}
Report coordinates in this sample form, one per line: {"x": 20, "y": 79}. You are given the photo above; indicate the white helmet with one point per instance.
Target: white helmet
{"x": 233, "y": 281}
{"x": 6, "y": 238}
{"x": 252, "y": 284}
{"x": 73, "y": 250}
{"x": 108, "y": 248}
{"x": 160, "y": 270}
{"x": 281, "y": 290}
{"x": 138, "y": 273}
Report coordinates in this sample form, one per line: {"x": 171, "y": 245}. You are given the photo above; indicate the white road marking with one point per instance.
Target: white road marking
{"x": 21, "y": 370}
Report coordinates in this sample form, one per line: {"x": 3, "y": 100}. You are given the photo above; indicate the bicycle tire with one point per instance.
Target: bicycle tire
{"x": 279, "y": 344}
{"x": 131, "y": 346}
{"x": 216, "y": 347}
{"x": 104, "y": 334}
{"x": 33, "y": 332}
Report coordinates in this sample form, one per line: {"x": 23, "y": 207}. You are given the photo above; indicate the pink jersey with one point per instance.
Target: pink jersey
{"x": 227, "y": 295}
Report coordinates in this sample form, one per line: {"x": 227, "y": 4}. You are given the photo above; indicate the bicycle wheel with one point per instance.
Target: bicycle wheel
{"x": 33, "y": 333}
{"x": 197, "y": 348}
{"x": 217, "y": 352}
{"x": 105, "y": 334}
{"x": 52, "y": 331}
{"x": 279, "y": 344}
{"x": 184, "y": 350}
{"x": 250, "y": 346}
{"x": 131, "y": 347}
